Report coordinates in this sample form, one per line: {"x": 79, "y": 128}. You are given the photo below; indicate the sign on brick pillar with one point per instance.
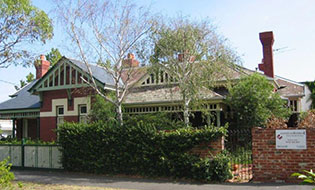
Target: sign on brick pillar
{"x": 277, "y": 165}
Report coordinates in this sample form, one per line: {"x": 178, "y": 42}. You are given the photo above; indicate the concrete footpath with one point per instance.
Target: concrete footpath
{"x": 54, "y": 177}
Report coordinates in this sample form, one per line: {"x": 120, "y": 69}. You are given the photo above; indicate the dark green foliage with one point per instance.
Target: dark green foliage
{"x": 311, "y": 86}
{"x": 140, "y": 149}
{"x": 216, "y": 169}
{"x": 26, "y": 141}
{"x": 253, "y": 101}
{"x": 53, "y": 56}
{"x": 103, "y": 110}
{"x": 159, "y": 120}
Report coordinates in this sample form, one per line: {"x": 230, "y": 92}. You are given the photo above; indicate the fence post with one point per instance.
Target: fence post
{"x": 22, "y": 150}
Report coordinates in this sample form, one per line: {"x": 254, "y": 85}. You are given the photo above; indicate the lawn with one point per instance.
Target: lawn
{"x": 38, "y": 186}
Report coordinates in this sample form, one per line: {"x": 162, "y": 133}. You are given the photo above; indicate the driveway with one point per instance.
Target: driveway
{"x": 54, "y": 177}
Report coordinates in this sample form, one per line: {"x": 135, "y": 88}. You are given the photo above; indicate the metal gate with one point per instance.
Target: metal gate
{"x": 239, "y": 147}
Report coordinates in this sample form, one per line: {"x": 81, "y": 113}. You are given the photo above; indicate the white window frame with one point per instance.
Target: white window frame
{"x": 60, "y": 117}
{"x": 294, "y": 105}
{"x": 83, "y": 117}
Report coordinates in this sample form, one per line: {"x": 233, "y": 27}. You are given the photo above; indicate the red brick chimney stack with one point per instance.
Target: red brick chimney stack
{"x": 267, "y": 40}
{"x": 42, "y": 66}
{"x": 131, "y": 61}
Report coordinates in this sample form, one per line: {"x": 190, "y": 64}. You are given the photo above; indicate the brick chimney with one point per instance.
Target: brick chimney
{"x": 266, "y": 39}
{"x": 181, "y": 57}
{"x": 130, "y": 61}
{"x": 42, "y": 66}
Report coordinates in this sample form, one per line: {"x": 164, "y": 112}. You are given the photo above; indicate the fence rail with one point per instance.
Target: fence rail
{"x": 32, "y": 156}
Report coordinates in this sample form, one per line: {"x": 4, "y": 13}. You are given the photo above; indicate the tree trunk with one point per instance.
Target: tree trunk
{"x": 186, "y": 110}
{"x": 119, "y": 115}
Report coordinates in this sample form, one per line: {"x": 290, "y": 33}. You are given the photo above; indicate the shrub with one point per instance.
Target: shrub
{"x": 308, "y": 177}
{"x": 140, "y": 149}
{"x": 253, "y": 102}
{"x": 307, "y": 119}
{"x": 26, "y": 141}
{"x": 159, "y": 120}
{"x": 5, "y": 175}
{"x": 215, "y": 169}
{"x": 102, "y": 110}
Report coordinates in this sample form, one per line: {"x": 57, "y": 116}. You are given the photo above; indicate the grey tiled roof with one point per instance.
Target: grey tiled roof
{"x": 290, "y": 88}
{"x": 22, "y": 100}
{"x": 98, "y": 72}
{"x": 159, "y": 94}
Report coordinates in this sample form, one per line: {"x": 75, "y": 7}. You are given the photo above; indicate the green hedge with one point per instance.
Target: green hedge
{"x": 141, "y": 150}
{"x": 15, "y": 141}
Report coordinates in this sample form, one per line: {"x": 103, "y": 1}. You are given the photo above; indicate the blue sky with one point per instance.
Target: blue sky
{"x": 292, "y": 21}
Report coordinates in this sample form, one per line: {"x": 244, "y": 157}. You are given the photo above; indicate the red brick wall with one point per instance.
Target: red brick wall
{"x": 48, "y": 124}
{"x": 276, "y": 165}
{"x": 208, "y": 149}
{"x": 47, "y": 127}
{"x": 58, "y": 94}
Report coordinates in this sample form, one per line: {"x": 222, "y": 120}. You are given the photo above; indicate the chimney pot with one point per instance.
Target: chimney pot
{"x": 130, "y": 56}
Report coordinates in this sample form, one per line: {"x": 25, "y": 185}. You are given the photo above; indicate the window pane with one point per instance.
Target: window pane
{"x": 60, "y": 120}
{"x": 60, "y": 111}
{"x": 83, "y": 109}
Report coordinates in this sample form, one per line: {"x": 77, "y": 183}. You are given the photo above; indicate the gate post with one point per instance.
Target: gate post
{"x": 23, "y": 152}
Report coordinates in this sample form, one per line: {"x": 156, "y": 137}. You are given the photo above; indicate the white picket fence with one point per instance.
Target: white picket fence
{"x": 32, "y": 156}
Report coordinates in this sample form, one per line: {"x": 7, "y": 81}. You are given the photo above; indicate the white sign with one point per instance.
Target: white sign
{"x": 291, "y": 139}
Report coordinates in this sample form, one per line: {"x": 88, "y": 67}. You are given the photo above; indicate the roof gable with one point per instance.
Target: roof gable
{"x": 68, "y": 73}
{"x": 156, "y": 78}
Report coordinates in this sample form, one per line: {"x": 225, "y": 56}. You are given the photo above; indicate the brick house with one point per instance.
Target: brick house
{"x": 59, "y": 94}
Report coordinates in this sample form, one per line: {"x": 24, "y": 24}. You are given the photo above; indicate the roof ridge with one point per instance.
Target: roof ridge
{"x": 17, "y": 92}
{"x": 289, "y": 80}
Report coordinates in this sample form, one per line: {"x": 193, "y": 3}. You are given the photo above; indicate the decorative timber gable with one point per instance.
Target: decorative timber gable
{"x": 156, "y": 78}
{"x": 63, "y": 75}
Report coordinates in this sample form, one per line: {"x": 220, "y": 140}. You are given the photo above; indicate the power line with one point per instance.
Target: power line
{"x": 7, "y": 82}
{"x": 282, "y": 50}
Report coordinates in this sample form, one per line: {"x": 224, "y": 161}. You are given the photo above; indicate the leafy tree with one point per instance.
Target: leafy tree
{"x": 253, "y": 101}
{"x": 6, "y": 176}
{"x": 102, "y": 110}
{"x": 21, "y": 22}
{"x": 105, "y": 32}
{"x": 29, "y": 78}
{"x": 311, "y": 86}
{"x": 53, "y": 56}
{"x": 193, "y": 53}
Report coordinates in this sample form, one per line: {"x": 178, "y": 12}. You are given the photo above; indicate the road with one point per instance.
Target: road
{"x": 57, "y": 177}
